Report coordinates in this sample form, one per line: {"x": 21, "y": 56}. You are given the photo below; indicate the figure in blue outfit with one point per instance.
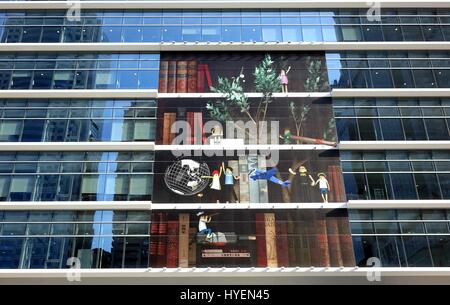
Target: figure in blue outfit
{"x": 269, "y": 175}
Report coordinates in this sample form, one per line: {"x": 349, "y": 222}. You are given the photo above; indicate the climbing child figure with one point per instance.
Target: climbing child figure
{"x": 284, "y": 80}
{"x": 202, "y": 224}
{"x": 229, "y": 184}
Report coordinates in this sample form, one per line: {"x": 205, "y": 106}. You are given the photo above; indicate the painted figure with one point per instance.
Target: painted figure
{"x": 269, "y": 175}
{"x": 215, "y": 185}
{"x": 302, "y": 189}
{"x": 202, "y": 224}
{"x": 324, "y": 186}
{"x": 284, "y": 80}
{"x": 229, "y": 184}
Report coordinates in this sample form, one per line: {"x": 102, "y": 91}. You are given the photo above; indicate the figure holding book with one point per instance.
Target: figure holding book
{"x": 215, "y": 186}
{"x": 202, "y": 224}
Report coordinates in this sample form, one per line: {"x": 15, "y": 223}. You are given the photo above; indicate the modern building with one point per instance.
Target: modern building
{"x": 244, "y": 141}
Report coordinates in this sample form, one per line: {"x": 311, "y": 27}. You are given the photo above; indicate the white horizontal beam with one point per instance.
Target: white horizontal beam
{"x": 395, "y": 145}
{"x": 75, "y": 205}
{"x": 390, "y": 92}
{"x": 222, "y": 46}
{"x": 250, "y": 95}
{"x": 292, "y": 275}
{"x": 80, "y": 93}
{"x": 255, "y": 147}
{"x": 215, "y": 4}
{"x": 77, "y": 146}
{"x": 247, "y": 206}
{"x": 399, "y": 204}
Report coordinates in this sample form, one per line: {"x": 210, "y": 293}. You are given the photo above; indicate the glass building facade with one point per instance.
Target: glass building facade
{"x": 130, "y": 109}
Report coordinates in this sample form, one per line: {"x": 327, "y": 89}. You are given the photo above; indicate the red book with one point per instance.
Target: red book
{"x": 261, "y": 252}
{"x": 203, "y": 74}
{"x": 182, "y": 77}
{"x": 172, "y": 244}
{"x": 162, "y": 240}
{"x": 166, "y": 129}
{"x": 190, "y": 121}
{"x": 154, "y": 229}
{"x": 345, "y": 241}
{"x": 192, "y": 76}
{"x": 163, "y": 76}
{"x": 282, "y": 242}
{"x": 333, "y": 242}
{"x": 172, "y": 77}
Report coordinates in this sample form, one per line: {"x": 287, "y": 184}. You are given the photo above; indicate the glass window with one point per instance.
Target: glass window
{"x": 417, "y": 251}
{"x": 414, "y": 129}
{"x": 437, "y": 129}
{"x": 427, "y": 186}
{"x": 440, "y": 250}
{"x": 403, "y": 186}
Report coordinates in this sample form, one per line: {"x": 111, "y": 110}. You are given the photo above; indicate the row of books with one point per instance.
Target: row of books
{"x": 182, "y": 76}
{"x": 171, "y": 242}
{"x": 194, "y": 120}
{"x": 321, "y": 241}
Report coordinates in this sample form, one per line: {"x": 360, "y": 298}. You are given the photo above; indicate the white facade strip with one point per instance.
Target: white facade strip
{"x": 393, "y": 145}
{"x": 222, "y": 46}
{"x": 215, "y": 4}
{"x": 390, "y": 93}
{"x": 248, "y": 206}
{"x": 290, "y": 275}
{"x": 77, "y": 146}
{"x": 80, "y": 93}
{"x": 75, "y": 205}
{"x": 227, "y": 147}
{"x": 250, "y": 95}
{"x": 399, "y": 204}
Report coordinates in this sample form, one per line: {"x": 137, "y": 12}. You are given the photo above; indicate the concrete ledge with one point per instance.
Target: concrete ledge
{"x": 217, "y": 276}
{"x": 390, "y": 92}
{"x": 75, "y": 205}
{"x": 198, "y": 4}
{"x": 80, "y": 93}
{"x": 394, "y": 145}
{"x": 399, "y": 204}
{"x": 77, "y": 146}
{"x": 220, "y": 46}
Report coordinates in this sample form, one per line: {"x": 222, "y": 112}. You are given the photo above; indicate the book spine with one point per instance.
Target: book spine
{"x": 208, "y": 77}
{"x": 162, "y": 240}
{"x": 261, "y": 252}
{"x": 172, "y": 77}
{"x": 244, "y": 180}
{"x": 292, "y": 240}
{"x": 163, "y": 76}
{"x": 192, "y": 246}
{"x": 154, "y": 229}
{"x": 183, "y": 241}
{"x": 172, "y": 244}
{"x": 263, "y": 184}
{"x": 198, "y": 128}
{"x": 345, "y": 241}
{"x": 182, "y": 77}
{"x": 172, "y": 120}
{"x": 192, "y": 76}
{"x": 282, "y": 242}
{"x": 200, "y": 78}
{"x": 253, "y": 186}
{"x": 320, "y": 256}
{"x": 304, "y": 232}
{"x": 333, "y": 242}
{"x": 271, "y": 244}
{"x": 166, "y": 129}
{"x": 190, "y": 121}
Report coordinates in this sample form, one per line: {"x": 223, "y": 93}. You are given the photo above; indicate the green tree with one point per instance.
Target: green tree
{"x": 317, "y": 79}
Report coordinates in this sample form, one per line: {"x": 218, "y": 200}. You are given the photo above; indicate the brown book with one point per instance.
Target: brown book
{"x": 182, "y": 77}
{"x": 271, "y": 243}
{"x": 172, "y": 244}
{"x": 282, "y": 242}
{"x": 320, "y": 256}
{"x": 192, "y": 246}
{"x": 154, "y": 230}
{"x": 183, "y": 241}
{"x": 304, "y": 231}
{"x": 163, "y": 76}
{"x": 166, "y": 128}
{"x": 345, "y": 241}
{"x": 192, "y": 76}
{"x": 292, "y": 241}
{"x": 333, "y": 242}
{"x": 172, "y": 77}
{"x": 172, "y": 120}
{"x": 261, "y": 251}
{"x": 162, "y": 240}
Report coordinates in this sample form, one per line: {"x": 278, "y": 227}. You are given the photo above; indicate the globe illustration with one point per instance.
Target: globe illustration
{"x": 184, "y": 177}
